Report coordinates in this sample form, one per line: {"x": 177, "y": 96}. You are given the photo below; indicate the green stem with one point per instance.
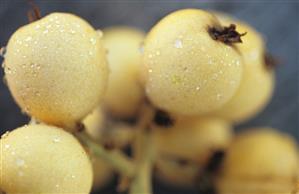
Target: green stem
{"x": 143, "y": 155}
{"x": 114, "y": 157}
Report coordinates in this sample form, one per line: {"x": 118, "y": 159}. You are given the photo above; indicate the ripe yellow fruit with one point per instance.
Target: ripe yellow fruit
{"x": 124, "y": 92}
{"x": 257, "y": 84}
{"x": 193, "y": 138}
{"x": 190, "y": 139}
{"x": 56, "y": 69}
{"x": 173, "y": 173}
{"x": 259, "y": 161}
{"x": 102, "y": 173}
{"x": 43, "y": 159}
{"x": 186, "y": 71}
{"x": 94, "y": 123}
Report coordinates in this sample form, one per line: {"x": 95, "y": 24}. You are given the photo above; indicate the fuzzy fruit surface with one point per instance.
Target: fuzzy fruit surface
{"x": 253, "y": 163}
{"x": 193, "y": 139}
{"x": 124, "y": 92}
{"x": 186, "y": 71}
{"x": 257, "y": 83}
{"x": 43, "y": 159}
{"x": 56, "y": 69}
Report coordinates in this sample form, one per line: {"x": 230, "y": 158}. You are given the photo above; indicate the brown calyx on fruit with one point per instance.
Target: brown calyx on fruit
{"x": 163, "y": 119}
{"x": 34, "y": 13}
{"x": 270, "y": 61}
{"x": 227, "y": 35}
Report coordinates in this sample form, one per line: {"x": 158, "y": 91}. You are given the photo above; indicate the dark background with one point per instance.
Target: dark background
{"x": 277, "y": 20}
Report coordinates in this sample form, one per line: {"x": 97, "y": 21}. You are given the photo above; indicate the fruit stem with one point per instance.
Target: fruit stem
{"x": 227, "y": 35}
{"x": 143, "y": 153}
{"x": 114, "y": 157}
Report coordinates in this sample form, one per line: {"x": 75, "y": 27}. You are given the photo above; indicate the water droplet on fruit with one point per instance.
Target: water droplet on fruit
{"x": 100, "y": 33}
{"x": 93, "y": 41}
{"x": 6, "y": 146}
{"x": 150, "y": 70}
{"x": 46, "y": 31}
{"x": 3, "y": 52}
{"x": 56, "y": 140}
{"x": 141, "y": 48}
{"x": 21, "y": 173}
{"x": 197, "y": 88}
{"x": 28, "y": 38}
{"x": 73, "y": 176}
{"x": 178, "y": 44}
{"x": 5, "y": 135}
{"x": 219, "y": 96}
{"x": 20, "y": 162}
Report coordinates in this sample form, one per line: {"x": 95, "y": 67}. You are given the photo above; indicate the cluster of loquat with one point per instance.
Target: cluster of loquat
{"x": 173, "y": 95}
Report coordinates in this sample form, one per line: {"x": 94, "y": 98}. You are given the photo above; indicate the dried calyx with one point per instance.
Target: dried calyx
{"x": 227, "y": 35}
{"x": 270, "y": 61}
{"x": 33, "y": 14}
{"x": 163, "y": 119}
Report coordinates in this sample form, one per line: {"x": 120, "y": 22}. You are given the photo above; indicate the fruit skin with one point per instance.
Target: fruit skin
{"x": 257, "y": 84}
{"x": 43, "y": 159}
{"x": 94, "y": 123}
{"x": 186, "y": 71}
{"x": 56, "y": 69}
{"x": 124, "y": 92}
{"x": 259, "y": 161}
{"x": 192, "y": 139}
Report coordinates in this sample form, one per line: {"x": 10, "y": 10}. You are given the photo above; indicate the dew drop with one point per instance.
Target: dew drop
{"x": 20, "y": 162}
{"x": 3, "y": 51}
{"x": 219, "y": 96}
{"x": 141, "y": 48}
{"x": 56, "y": 140}
{"x": 178, "y": 44}
{"x": 6, "y": 146}
{"x": 28, "y": 38}
{"x": 100, "y": 33}
{"x": 21, "y": 173}
{"x": 5, "y": 135}
{"x": 93, "y": 41}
